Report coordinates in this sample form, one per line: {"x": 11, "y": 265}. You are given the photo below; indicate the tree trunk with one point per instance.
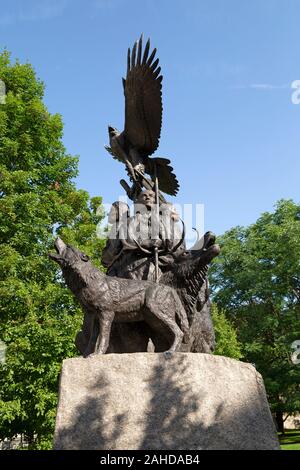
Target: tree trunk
{"x": 279, "y": 421}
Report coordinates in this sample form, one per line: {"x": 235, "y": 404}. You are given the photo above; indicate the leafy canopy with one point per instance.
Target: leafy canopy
{"x": 256, "y": 280}
{"x": 38, "y": 198}
{"x": 227, "y": 343}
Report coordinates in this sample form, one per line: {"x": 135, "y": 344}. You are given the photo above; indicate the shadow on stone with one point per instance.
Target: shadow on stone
{"x": 173, "y": 414}
{"x": 155, "y": 401}
{"x": 88, "y": 428}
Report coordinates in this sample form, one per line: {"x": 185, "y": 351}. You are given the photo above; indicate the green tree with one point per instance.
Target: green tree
{"x": 256, "y": 280}
{"x": 227, "y": 343}
{"x": 38, "y": 198}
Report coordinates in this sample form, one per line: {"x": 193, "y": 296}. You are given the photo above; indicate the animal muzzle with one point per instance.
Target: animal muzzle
{"x": 112, "y": 131}
{"x": 210, "y": 253}
{"x": 60, "y": 247}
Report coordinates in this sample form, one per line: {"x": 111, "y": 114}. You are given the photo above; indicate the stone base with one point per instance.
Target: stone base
{"x": 146, "y": 401}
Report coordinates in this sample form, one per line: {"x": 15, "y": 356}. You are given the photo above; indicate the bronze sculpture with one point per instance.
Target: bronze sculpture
{"x": 145, "y": 253}
{"x": 143, "y": 118}
{"x": 105, "y": 299}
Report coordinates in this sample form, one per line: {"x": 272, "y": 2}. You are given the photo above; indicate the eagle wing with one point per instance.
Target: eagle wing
{"x": 143, "y": 100}
{"x": 114, "y": 155}
{"x": 167, "y": 180}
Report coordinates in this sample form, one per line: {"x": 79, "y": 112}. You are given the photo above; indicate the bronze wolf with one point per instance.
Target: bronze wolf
{"x": 106, "y": 299}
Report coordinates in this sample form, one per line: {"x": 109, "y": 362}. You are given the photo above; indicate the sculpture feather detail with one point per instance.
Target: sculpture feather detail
{"x": 143, "y": 119}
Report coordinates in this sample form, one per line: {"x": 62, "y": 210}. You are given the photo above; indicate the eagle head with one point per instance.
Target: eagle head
{"x": 112, "y": 131}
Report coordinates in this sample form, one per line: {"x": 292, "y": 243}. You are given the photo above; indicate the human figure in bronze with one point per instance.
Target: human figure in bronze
{"x": 145, "y": 252}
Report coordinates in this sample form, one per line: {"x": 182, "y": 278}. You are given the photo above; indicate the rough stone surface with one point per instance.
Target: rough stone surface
{"x": 154, "y": 401}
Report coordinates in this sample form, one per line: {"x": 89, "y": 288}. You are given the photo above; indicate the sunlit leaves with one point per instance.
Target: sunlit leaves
{"x": 256, "y": 280}
{"x": 39, "y": 317}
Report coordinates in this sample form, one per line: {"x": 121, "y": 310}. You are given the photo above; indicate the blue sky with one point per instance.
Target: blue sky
{"x": 229, "y": 124}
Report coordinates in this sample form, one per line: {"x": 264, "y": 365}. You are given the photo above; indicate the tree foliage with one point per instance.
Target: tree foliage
{"x": 227, "y": 343}
{"x": 256, "y": 279}
{"x": 38, "y": 198}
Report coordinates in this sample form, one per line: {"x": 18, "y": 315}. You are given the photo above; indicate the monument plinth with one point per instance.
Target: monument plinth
{"x": 147, "y": 401}
{"x": 155, "y": 292}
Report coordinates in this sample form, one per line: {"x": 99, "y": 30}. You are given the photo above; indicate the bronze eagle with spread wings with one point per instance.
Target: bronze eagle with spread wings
{"x": 143, "y": 119}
